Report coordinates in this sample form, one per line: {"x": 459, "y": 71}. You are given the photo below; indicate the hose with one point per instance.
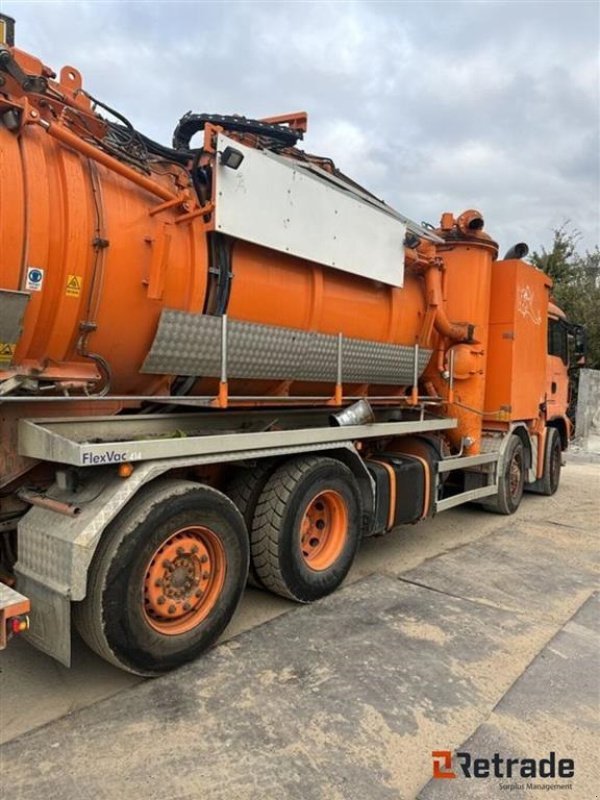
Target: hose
{"x": 105, "y": 368}
{"x": 220, "y": 249}
{"x": 191, "y": 124}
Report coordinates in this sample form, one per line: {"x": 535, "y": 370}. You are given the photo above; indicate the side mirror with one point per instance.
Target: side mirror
{"x": 579, "y": 336}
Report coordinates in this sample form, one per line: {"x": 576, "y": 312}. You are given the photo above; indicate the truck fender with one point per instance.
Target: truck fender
{"x": 529, "y": 447}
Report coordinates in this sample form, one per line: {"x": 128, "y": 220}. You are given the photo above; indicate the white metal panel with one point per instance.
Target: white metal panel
{"x": 272, "y": 201}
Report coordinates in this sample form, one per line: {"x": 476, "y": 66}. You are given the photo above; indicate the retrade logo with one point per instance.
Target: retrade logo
{"x": 442, "y": 764}
{"x": 445, "y": 764}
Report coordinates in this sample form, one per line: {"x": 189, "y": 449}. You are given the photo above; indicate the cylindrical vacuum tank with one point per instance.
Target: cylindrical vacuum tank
{"x": 100, "y": 266}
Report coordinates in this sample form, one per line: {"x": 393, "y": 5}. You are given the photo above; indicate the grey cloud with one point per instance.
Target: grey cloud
{"x": 433, "y": 106}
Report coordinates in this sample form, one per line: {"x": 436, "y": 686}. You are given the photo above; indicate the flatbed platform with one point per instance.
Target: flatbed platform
{"x": 100, "y": 440}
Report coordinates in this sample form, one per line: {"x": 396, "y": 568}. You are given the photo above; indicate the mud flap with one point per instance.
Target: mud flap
{"x": 49, "y": 619}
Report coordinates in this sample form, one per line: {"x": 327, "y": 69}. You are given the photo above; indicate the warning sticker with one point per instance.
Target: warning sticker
{"x": 74, "y": 285}
{"x": 34, "y": 280}
{"x": 7, "y": 351}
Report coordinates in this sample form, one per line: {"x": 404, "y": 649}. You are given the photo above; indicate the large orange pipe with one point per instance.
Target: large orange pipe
{"x": 88, "y": 150}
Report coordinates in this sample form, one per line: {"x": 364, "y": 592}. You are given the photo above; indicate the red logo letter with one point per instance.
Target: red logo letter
{"x": 442, "y": 764}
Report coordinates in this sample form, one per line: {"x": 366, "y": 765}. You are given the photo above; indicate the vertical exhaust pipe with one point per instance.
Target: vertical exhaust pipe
{"x": 518, "y": 250}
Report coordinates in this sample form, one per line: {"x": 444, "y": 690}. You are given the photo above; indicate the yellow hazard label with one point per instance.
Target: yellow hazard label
{"x": 7, "y": 351}
{"x": 74, "y": 285}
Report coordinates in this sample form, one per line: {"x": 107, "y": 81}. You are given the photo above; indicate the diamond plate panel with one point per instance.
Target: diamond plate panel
{"x": 12, "y": 310}
{"x": 8, "y": 596}
{"x": 190, "y": 344}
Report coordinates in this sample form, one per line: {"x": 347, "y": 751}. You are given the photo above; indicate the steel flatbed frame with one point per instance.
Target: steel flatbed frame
{"x": 102, "y": 440}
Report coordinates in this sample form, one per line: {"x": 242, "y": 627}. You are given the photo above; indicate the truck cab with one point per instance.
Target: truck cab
{"x": 566, "y": 353}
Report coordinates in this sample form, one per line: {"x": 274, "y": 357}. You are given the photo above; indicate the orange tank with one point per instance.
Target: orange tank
{"x": 458, "y": 371}
{"x": 103, "y": 248}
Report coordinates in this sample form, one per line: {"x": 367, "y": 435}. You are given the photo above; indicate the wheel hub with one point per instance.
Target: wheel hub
{"x": 515, "y": 476}
{"x": 183, "y": 580}
{"x": 324, "y": 530}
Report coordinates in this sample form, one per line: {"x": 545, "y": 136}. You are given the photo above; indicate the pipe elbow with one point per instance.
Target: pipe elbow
{"x": 470, "y": 222}
{"x": 457, "y": 331}
{"x": 519, "y": 250}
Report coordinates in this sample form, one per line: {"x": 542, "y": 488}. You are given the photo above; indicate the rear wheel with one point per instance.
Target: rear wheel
{"x": 511, "y": 481}
{"x": 306, "y": 528}
{"x": 244, "y": 489}
{"x": 166, "y": 578}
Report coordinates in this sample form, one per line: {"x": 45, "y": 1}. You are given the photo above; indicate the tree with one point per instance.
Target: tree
{"x": 576, "y": 284}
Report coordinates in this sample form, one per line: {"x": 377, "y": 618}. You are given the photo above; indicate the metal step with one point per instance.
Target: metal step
{"x": 466, "y": 497}
{"x": 464, "y": 462}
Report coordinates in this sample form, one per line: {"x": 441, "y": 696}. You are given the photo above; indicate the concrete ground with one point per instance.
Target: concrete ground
{"x": 438, "y": 638}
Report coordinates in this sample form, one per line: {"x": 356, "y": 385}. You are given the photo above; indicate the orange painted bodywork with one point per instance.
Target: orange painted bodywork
{"x": 468, "y": 274}
{"x": 557, "y": 383}
{"x": 135, "y": 244}
{"x": 517, "y": 351}
{"x": 150, "y": 262}
{"x": 66, "y": 204}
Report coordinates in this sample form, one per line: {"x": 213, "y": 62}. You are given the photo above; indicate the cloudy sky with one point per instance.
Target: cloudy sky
{"x": 432, "y": 105}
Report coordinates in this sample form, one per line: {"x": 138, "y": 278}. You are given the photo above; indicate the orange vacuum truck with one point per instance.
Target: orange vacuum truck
{"x": 224, "y": 361}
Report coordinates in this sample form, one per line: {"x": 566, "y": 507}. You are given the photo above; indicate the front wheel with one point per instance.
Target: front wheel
{"x": 549, "y": 482}
{"x": 166, "y": 578}
{"x": 511, "y": 481}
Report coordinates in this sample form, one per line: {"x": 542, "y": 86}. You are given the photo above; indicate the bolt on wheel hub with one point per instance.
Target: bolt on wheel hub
{"x": 515, "y": 476}
{"x": 183, "y": 580}
{"x": 324, "y": 530}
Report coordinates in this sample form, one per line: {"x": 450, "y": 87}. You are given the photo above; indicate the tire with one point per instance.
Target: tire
{"x": 511, "y": 482}
{"x": 306, "y": 528}
{"x": 244, "y": 490}
{"x": 549, "y": 482}
{"x": 177, "y": 544}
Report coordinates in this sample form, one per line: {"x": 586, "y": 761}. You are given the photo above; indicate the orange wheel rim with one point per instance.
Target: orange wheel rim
{"x": 515, "y": 475}
{"x": 183, "y": 580}
{"x": 324, "y": 530}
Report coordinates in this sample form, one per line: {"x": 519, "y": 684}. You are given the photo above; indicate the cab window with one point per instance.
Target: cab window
{"x": 557, "y": 340}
